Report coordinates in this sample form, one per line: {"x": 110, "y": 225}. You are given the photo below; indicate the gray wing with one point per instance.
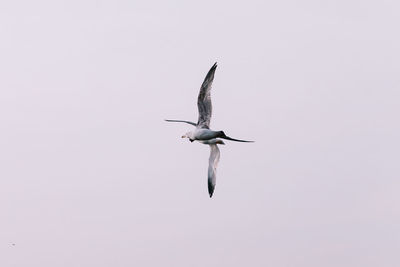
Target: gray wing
{"x": 204, "y": 100}
{"x": 212, "y": 168}
{"x": 189, "y": 122}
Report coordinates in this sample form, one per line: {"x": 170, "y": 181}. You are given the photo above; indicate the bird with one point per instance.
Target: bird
{"x": 202, "y": 133}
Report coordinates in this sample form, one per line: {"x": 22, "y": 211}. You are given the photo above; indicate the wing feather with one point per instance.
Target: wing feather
{"x": 189, "y": 122}
{"x": 204, "y": 100}
{"x": 212, "y": 168}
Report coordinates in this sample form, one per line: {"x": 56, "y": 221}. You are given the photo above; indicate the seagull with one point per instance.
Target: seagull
{"x": 202, "y": 133}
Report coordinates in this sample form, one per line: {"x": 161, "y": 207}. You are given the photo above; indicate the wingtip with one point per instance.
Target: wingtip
{"x": 211, "y": 189}
{"x": 211, "y": 192}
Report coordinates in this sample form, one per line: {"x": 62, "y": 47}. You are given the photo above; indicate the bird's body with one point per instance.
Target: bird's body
{"x": 203, "y": 133}
{"x": 200, "y": 134}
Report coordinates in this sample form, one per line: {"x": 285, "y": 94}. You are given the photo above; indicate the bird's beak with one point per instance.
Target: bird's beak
{"x": 183, "y": 136}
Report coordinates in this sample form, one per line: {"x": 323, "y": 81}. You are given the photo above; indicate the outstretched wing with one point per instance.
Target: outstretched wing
{"x": 189, "y": 122}
{"x": 212, "y": 168}
{"x": 204, "y": 100}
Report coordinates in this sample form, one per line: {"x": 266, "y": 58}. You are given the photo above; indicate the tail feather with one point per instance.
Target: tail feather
{"x": 224, "y": 136}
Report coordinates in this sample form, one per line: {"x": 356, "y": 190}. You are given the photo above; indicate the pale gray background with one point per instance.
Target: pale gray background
{"x": 91, "y": 175}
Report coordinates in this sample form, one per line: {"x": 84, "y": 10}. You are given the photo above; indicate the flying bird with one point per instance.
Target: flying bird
{"x": 203, "y": 133}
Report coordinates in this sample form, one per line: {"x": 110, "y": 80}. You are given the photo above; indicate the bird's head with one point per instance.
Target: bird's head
{"x": 188, "y": 135}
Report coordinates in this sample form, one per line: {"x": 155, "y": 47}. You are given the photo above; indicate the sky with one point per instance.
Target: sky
{"x": 92, "y": 175}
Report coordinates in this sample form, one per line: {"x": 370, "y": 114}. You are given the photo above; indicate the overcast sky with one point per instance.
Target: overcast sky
{"x": 91, "y": 175}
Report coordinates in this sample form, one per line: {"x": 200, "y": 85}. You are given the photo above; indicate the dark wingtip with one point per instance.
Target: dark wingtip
{"x": 213, "y": 68}
{"x": 210, "y": 189}
{"x": 210, "y": 75}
